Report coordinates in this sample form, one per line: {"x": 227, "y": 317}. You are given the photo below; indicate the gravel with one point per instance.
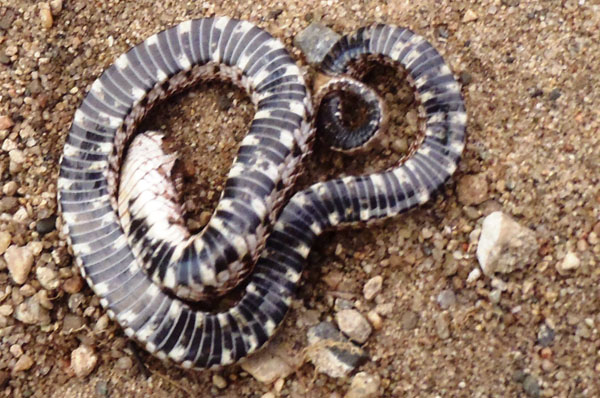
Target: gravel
{"x": 530, "y": 73}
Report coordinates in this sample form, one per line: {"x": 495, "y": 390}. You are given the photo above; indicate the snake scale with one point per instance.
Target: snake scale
{"x": 126, "y": 230}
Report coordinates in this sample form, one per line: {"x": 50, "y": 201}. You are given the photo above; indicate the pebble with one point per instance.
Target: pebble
{"x": 315, "y": 41}
{"x": 354, "y": 325}
{"x": 331, "y": 353}
{"x": 56, "y": 6}
{"x": 442, "y": 326}
{"x": 101, "y": 323}
{"x": 531, "y": 386}
{"x": 9, "y": 205}
{"x": 10, "y": 188}
{"x": 569, "y": 263}
{"x": 495, "y": 296}
{"x": 16, "y": 350}
{"x": 219, "y": 381}
{"x": 446, "y": 299}
{"x": 504, "y": 245}
{"x": 46, "y": 19}
{"x": 472, "y": 189}
{"x": 124, "y": 363}
{"x": 19, "y": 261}
{"x": 47, "y": 277}
{"x": 72, "y": 323}
{"x": 46, "y": 225}
{"x": 554, "y": 94}
{"x": 101, "y": 388}
{"x": 409, "y": 320}
{"x": 83, "y": 360}
{"x": 268, "y": 365}
{"x": 32, "y": 312}
{"x": 545, "y": 335}
{"x": 73, "y": 284}
{"x": 375, "y": 319}
{"x": 4, "y": 377}
{"x": 6, "y": 310}
{"x": 469, "y": 16}
{"x": 24, "y": 363}
{"x": 364, "y": 385}
{"x": 5, "y": 121}
{"x": 373, "y": 287}
{"x": 5, "y": 239}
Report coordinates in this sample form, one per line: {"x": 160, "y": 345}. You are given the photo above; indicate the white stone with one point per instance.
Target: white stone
{"x": 5, "y": 239}
{"x": 504, "y": 245}
{"x": 569, "y": 263}
{"x": 373, "y": 287}
{"x": 364, "y": 385}
{"x": 19, "y": 261}
{"x": 47, "y": 277}
{"x": 353, "y": 325}
{"x": 83, "y": 361}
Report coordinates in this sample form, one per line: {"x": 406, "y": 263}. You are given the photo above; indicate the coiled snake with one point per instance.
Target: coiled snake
{"x": 129, "y": 238}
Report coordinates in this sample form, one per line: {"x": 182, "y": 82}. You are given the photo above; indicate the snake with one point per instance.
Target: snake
{"x": 120, "y": 211}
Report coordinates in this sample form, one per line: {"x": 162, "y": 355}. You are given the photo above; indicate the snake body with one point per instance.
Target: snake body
{"x": 124, "y": 256}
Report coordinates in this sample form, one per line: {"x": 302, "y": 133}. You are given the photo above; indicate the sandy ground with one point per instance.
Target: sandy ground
{"x": 530, "y": 74}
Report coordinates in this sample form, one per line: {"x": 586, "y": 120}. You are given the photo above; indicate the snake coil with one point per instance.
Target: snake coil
{"x": 125, "y": 228}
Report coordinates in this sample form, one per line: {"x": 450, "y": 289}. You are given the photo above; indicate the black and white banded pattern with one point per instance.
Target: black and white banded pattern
{"x": 124, "y": 255}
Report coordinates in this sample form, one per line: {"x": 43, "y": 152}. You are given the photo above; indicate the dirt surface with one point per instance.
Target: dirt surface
{"x": 530, "y": 76}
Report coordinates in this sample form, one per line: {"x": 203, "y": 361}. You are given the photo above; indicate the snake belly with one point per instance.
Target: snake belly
{"x": 269, "y": 159}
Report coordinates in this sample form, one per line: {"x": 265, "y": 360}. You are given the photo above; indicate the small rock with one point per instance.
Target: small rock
{"x": 46, "y": 19}
{"x": 373, "y": 287}
{"x": 331, "y": 353}
{"x": 315, "y": 42}
{"x": 268, "y": 365}
{"x": 409, "y": 320}
{"x": 4, "y": 377}
{"x": 545, "y": 335}
{"x": 554, "y": 94}
{"x": 495, "y": 296}
{"x": 72, "y": 323}
{"x": 47, "y": 277}
{"x": 504, "y": 245}
{"x": 83, "y": 360}
{"x": 16, "y": 350}
{"x": 219, "y": 381}
{"x": 101, "y": 388}
{"x": 46, "y": 225}
{"x": 364, "y": 385}
{"x": 10, "y": 188}
{"x": 473, "y": 275}
{"x": 569, "y": 263}
{"x": 124, "y": 363}
{"x": 442, "y": 326}
{"x": 531, "y": 386}
{"x": 469, "y": 16}
{"x": 9, "y": 205}
{"x": 353, "y": 325}
{"x": 465, "y": 78}
{"x": 5, "y": 122}
{"x": 19, "y": 261}
{"x": 5, "y": 239}
{"x": 32, "y": 312}
{"x": 6, "y": 310}
{"x": 375, "y": 319}
{"x": 73, "y": 284}
{"x": 446, "y": 299}
{"x": 101, "y": 323}
{"x": 472, "y": 189}
{"x": 25, "y": 362}
{"x": 56, "y": 6}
